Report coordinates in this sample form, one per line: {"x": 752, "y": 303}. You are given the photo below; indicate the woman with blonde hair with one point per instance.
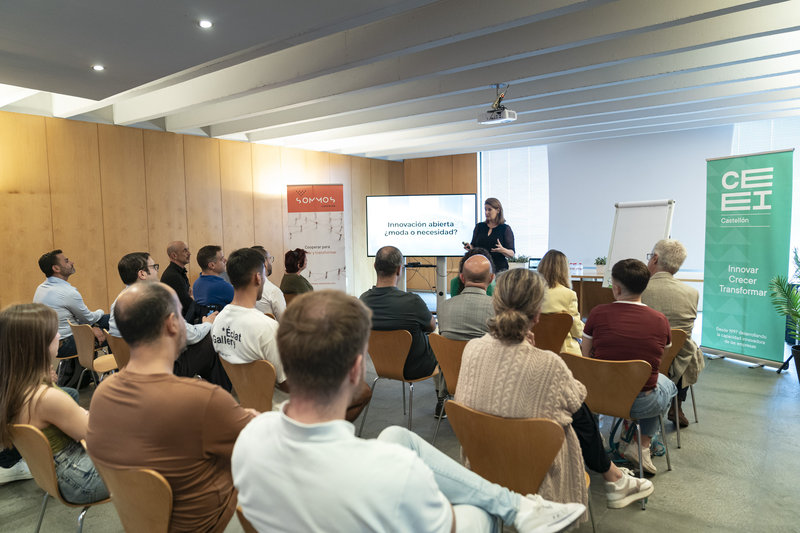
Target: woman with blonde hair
{"x": 559, "y": 296}
{"x": 504, "y": 374}
{"x": 28, "y": 346}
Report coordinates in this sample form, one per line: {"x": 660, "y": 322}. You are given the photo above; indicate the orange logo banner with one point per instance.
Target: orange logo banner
{"x": 314, "y": 198}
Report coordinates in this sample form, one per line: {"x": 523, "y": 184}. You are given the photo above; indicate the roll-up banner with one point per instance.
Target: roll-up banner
{"x": 316, "y": 224}
{"x": 748, "y": 225}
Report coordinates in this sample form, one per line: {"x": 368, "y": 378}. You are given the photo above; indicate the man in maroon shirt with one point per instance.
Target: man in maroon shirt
{"x": 627, "y": 330}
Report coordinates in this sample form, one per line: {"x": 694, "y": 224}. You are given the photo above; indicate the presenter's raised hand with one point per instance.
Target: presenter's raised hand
{"x": 498, "y": 248}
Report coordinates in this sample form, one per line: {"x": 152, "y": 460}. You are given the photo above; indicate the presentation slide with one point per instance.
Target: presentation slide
{"x": 421, "y": 225}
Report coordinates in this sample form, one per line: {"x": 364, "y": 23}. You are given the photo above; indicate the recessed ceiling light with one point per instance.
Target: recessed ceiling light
{"x": 98, "y": 68}
{"x": 205, "y": 24}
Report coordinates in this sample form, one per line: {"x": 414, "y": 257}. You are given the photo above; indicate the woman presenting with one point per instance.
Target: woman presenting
{"x": 494, "y": 235}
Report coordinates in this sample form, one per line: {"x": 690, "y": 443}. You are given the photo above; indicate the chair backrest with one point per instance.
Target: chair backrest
{"x": 678, "y": 340}
{"x": 611, "y": 386}
{"x": 84, "y": 343}
{"x": 388, "y": 351}
{"x": 271, "y": 316}
{"x": 246, "y": 525}
{"x": 142, "y": 497}
{"x": 289, "y": 297}
{"x": 35, "y": 449}
{"x": 254, "y": 383}
{"x": 593, "y": 294}
{"x": 120, "y": 350}
{"x": 513, "y": 452}
{"x": 448, "y": 353}
{"x": 551, "y": 331}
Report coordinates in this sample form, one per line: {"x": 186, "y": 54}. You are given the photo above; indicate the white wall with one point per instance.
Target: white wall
{"x": 588, "y": 178}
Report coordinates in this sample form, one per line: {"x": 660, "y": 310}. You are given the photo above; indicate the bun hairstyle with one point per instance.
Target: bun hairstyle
{"x": 294, "y": 260}
{"x": 517, "y": 300}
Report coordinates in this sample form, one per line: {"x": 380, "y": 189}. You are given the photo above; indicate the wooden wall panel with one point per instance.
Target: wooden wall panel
{"x": 379, "y": 177}
{"x": 203, "y": 196}
{"x": 74, "y": 167}
{"x": 364, "y": 277}
{"x": 465, "y": 173}
{"x": 25, "y": 200}
{"x": 268, "y": 192}
{"x": 440, "y": 175}
{"x": 124, "y": 198}
{"x": 236, "y": 177}
{"x": 166, "y": 194}
{"x": 317, "y": 167}
{"x": 396, "y": 182}
{"x": 415, "y": 176}
{"x": 293, "y": 167}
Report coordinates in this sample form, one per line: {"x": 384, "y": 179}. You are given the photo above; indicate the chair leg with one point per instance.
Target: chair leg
{"x": 41, "y": 513}
{"x": 366, "y": 410}
{"x": 639, "y": 443}
{"x": 80, "y": 378}
{"x": 403, "y": 384}
{"x": 677, "y": 421}
{"x": 591, "y": 513}
{"x": 80, "y": 518}
{"x": 410, "y": 402}
{"x": 694, "y": 405}
{"x": 439, "y": 421}
{"x": 666, "y": 446}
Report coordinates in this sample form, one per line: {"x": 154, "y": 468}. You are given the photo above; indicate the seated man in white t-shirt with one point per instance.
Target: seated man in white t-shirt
{"x": 303, "y": 469}
{"x": 241, "y": 333}
{"x": 272, "y": 299}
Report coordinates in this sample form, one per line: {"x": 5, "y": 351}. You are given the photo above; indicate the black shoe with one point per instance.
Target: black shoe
{"x": 440, "y": 408}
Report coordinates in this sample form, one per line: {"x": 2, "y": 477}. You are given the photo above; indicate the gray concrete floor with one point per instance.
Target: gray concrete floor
{"x": 737, "y": 469}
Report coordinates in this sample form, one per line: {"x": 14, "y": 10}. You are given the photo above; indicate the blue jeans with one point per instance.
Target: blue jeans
{"x": 647, "y": 407}
{"x": 475, "y": 500}
{"x": 78, "y": 479}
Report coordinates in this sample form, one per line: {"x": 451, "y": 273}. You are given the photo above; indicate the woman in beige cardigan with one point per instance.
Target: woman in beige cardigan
{"x": 504, "y": 374}
{"x": 560, "y": 298}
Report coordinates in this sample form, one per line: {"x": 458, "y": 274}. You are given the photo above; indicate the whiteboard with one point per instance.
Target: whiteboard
{"x": 637, "y": 227}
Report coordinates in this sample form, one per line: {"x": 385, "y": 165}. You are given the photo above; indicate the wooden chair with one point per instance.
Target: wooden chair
{"x": 611, "y": 388}
{"x": 271, "y": 316}
{"x": 388, "y": 351}
{"x": 119, "y": 349}
{"x": 448, "y": 353}
{"x": 142, "y": 497}
{"x": 551, "y": 331}
{"x": 593, "y": 294}
{"x": 254, "y": 383}
{"x": 678, "y": 340}
{"x": 35, "y": 449}
{"x": 84, "y": 342}
{"x": 289, "y": 297}
{"x": 246, "y": 525}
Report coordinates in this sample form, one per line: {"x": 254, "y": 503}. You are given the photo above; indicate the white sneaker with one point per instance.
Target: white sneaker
{"x": 537, "y": 515}
{"x": 15, "y": 473}
{"x": 631, "y": 453}
{"x": 627, "y": 489}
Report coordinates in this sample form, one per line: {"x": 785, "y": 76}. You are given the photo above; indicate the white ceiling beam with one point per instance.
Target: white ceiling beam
{"x": 10, "y": 94}
{"x": 592, "y": 26}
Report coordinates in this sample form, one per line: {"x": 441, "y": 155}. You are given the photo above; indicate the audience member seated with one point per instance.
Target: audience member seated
{"x": 464, "y": 317}
{"x": 199, "y": 358}
{"x": 175, "y": 275}
{"x": 678, "y": 302}
{"x": 504, "y": 374}
{"x": 457, "y": 284}
{"x": 210, "y": 290}
{"x": 58, "y": 294}
{"x": 627, "y": 330}
{"x": 146, "y": 417}
{"x": 396, "y": 309}
{"x": 293, "y": 282}
{"x": 302, "y": 468}
{"x": 272, "y": 300}
{"x": 560, "y": 298}
{"x": 28, "y": 346}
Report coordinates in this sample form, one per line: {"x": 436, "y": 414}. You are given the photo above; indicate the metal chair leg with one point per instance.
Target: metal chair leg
{"x": 41, "y": 513}
{"x": 591, "y": 513}
{"x": 366, "y": 410}
{"x": 439, "y": 421}
{"x": 664, "y": 438}
{"x": 80, "y": 518}
{"x": 677, "y": 421}
{"x": 639, "y": 442}
{"x": 403, "y": 384}
{"x": 410, "y": 403}
{"x": 694, "y": 405}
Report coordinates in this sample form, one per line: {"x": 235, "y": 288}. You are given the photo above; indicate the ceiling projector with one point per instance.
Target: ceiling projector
{"x": 498, "y": 113}
{"x": 497, "y": 116}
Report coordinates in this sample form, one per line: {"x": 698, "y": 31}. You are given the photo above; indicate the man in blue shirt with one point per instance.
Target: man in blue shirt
{"x": 210, "y": 289}
{"x": 57, "y": 293}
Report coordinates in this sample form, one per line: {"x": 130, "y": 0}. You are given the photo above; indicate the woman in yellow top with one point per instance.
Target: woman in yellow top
{"x": 560, "y": 297}
{"x": 28, "y": 346}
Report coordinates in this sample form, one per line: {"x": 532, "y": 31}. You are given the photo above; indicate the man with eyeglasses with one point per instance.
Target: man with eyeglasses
{"x": 272, "y": 300}
{"x": 210, "y": 289}
{"x": 199, "y": 359}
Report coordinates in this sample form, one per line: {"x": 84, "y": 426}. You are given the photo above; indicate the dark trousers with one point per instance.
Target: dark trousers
{"x": 201, "y": 360}
{"x": 682, "y": 390}
{"x": 594, "y": 453}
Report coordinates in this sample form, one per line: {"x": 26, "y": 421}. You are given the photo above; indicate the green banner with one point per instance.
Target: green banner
{"x": 748, "y": 223}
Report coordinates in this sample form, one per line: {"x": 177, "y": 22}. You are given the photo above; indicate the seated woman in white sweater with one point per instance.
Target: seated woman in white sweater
{"x": 559, "y": 296}
{"x": 504, "y": 374}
